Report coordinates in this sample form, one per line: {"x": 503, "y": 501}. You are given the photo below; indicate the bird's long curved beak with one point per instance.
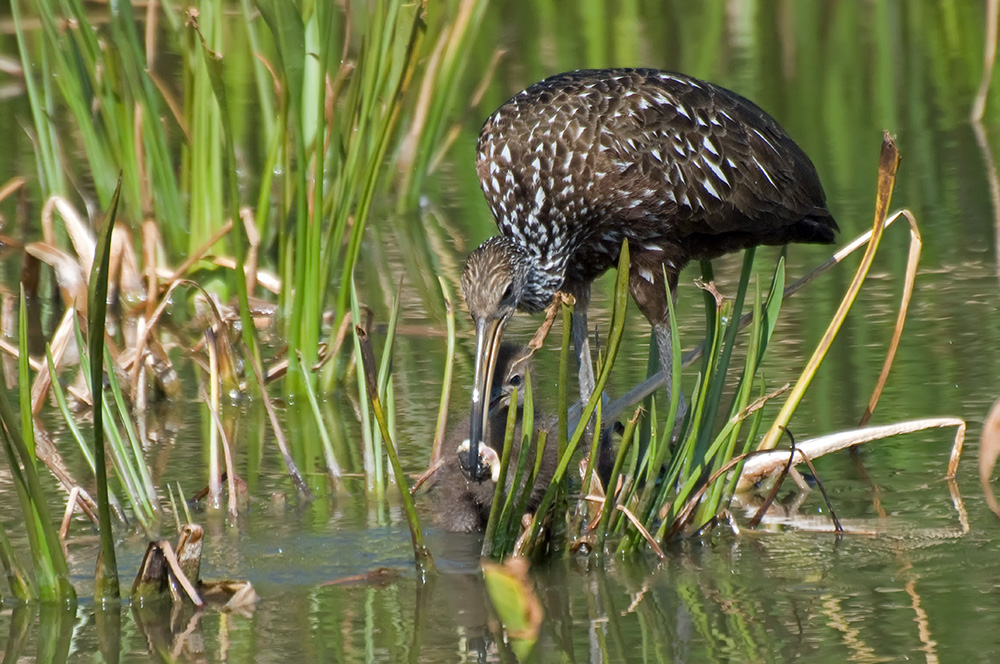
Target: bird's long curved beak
{"x": 488, "y": 333}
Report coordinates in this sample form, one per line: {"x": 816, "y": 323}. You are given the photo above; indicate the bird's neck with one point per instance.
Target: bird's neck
{"x": 545, "y": 278}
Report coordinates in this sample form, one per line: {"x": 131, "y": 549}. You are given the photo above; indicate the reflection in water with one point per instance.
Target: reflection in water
{"x": 754, "y": 597}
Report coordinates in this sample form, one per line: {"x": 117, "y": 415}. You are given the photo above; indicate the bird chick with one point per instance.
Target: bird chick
{"x": 459, "y": 505}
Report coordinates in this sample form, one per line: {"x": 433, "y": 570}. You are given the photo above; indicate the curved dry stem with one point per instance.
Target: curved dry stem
{"x": 913, "y": 259}
{"x": 759, "y": 466}
{"x": 888, "y": 164}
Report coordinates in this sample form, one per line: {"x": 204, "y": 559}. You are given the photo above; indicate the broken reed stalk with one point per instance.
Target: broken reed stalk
{"x": 421, "y": 554}
{"x": 888, "y": 164}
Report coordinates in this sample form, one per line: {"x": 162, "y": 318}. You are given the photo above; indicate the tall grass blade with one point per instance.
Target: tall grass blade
{"x": 449, "y": 363}
{"x": 51, "y": 570}
{"x": 50, "y": 173}
{"x": 421, "y": 554}
{"x": 618, "y": 312}
{"x": 628, "y": 437}
{"x": 18, "y": 578}
{"x": 106, "y": 587}
{"x": 213, "y": 63}
{"x": 24, "y": 380}
{"x": 371, "y": 455}
{"x": 490, "y": 545}
{"x": 888, "y": 164}
{"x": 332, "y": 467}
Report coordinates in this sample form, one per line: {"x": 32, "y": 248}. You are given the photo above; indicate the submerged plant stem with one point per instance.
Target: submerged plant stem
{"x": 421, "y": 554}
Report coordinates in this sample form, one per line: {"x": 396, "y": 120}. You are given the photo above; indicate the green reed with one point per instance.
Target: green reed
{"x": 686, "y": 475}
{"x": 658, "y": 480}
{"x": 50, "y": 581}
{"x": 330, "y": 86}
{"x": 106, "y": 587}
{"x": 126, "y": 449}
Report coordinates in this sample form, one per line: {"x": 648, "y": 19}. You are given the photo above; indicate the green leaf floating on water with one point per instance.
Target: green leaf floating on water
{"x": 513, "y": 598}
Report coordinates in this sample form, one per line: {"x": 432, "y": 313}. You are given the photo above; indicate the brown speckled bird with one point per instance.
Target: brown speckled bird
{"x": 576, "y": 164}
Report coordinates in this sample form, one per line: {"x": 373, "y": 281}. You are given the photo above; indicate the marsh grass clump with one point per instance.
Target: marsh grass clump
{"x": 218, "y": 227}
{"x": 683, "y": 478}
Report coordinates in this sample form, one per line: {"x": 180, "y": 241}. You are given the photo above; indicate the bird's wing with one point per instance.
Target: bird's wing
{"x": 703, "y": 157}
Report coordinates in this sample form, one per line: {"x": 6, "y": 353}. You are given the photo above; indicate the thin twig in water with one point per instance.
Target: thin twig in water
{"x": 755, "y": 521}
{"x": 426, "y": 475}
{"x": 826, "y": 496}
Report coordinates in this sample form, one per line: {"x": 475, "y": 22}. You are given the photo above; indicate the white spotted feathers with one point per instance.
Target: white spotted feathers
{"x": 682, "y": 168}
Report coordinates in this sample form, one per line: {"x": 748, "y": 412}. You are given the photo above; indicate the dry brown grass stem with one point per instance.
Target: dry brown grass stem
{"x": 642, "y": 529}
{"x": 910, "y": 278}
{"x": 11, "y": 185}
{"x": 197, "y": 254}
{"x": 989, "y": 59}
{"x": 175, "y": 568}
{"x": 760, "y": 465}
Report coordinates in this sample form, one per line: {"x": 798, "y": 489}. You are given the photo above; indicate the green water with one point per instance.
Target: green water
{"x": 909, "y": 581}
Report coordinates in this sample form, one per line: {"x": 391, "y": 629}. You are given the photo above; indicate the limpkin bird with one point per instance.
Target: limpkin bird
{"x": 580, "y": 162}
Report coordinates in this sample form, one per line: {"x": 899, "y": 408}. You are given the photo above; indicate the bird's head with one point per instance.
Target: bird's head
{"x": 494, "y": 279}
{"x": 493, "y": 283}
{"x": 512, "y": 365}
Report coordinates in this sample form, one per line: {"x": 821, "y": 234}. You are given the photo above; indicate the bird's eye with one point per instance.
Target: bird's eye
{"x": 507, "y": 293}
{"x": 515, "y": 380}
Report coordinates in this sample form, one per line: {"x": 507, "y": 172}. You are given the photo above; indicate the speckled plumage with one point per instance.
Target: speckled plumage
{"x": 577, "y": 163}
{"x": 682, "y": 168}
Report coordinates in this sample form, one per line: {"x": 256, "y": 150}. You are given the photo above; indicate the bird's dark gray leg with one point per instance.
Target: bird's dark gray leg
{"x": 581, "y": 343}
{"x": 650, "y": 293}
{"x": 664, "y": 343}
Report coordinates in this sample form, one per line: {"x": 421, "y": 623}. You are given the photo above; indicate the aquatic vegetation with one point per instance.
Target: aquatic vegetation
{"x": 682, "y": 479}
{"x": 246, "y": 251}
